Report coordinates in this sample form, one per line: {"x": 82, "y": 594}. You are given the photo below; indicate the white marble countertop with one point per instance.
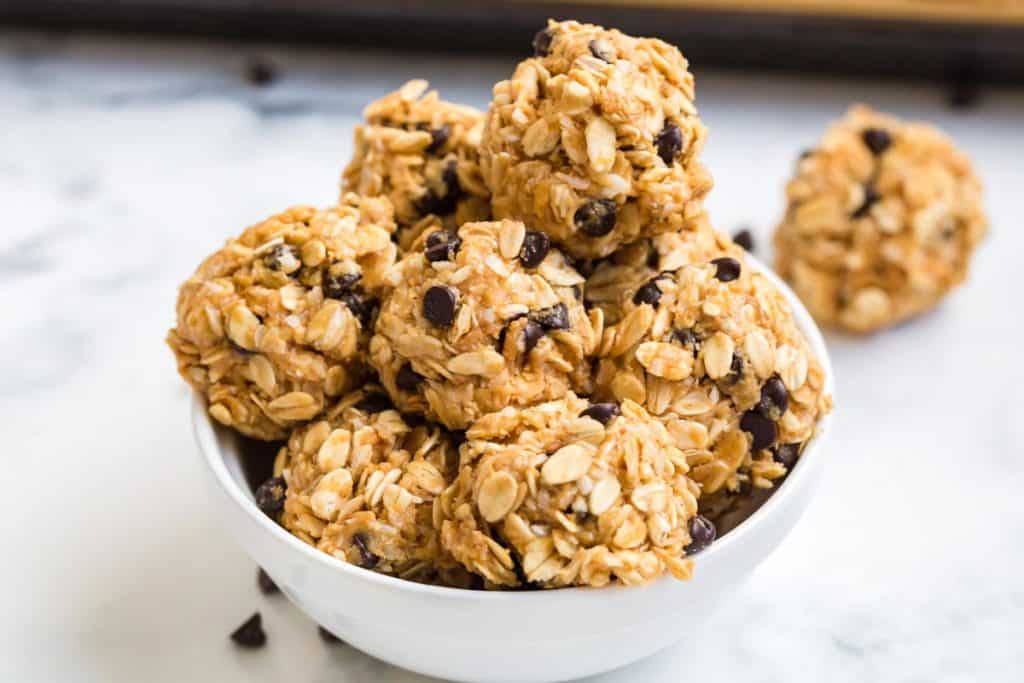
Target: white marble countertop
{"x": 122, "y": 163}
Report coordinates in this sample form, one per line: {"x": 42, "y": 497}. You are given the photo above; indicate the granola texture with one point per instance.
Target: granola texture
{"x": 882, "y": 218}
{"x": 476, "y": 320}
{"x": 361, "y": 482}
{"x": 421, "y": 153}
{"x": 276, "y": 323}
{"x": 596, "y": 139}
{"x": 712, "y": 351}
{"x": 552, "y": 495}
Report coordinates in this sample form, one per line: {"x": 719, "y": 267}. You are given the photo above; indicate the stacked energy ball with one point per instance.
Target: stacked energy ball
{"x": 515, "y": 353}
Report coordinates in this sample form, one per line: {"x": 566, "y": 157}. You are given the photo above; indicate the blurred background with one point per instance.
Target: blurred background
{"x": 137, "y": 135}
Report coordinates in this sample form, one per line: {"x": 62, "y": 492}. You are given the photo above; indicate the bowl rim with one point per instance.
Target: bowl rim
{"x": 205, "y": 436}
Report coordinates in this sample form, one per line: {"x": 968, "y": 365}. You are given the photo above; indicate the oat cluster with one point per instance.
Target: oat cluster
{"x": 516, "y": 354}
{"x": 882, "y": 219}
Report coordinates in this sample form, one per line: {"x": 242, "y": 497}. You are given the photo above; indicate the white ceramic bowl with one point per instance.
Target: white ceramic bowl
{"x": 496, "y": 637}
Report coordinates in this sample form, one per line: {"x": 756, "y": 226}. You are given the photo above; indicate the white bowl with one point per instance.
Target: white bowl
{"x": 496, "y": 637}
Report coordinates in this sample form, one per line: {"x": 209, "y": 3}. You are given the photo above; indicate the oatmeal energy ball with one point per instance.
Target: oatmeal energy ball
{"x": 276, "y": 322}
{"x": 481, "y": 319}
{"x": 881, "y": 221}
{"x": 595, "y": 140}
{"x": 711, "y": 350}
{"x": 571, "y": 493}
{"x": 420, "y": 152}
{"x": 360, "y": 485}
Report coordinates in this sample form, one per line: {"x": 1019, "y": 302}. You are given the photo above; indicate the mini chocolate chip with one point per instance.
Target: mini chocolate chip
{"x": 536, "y": 246}
{"x": 871, "y": 197}
{"x": 444, "y": 204}
{"x": 786, "y": 454}
{"x": 363, "y": 307}
{"x": 735, "y": 370}
{"x": 877, "y": 140}
{"x": 745, "y": 239}
{"x": 270, "y": 496}
{"x": 602, "y": 412}
{"x": 649, "y": 293}
{"x": 532, "y": 332}
{"x": 373, "y": 403}
{"x": 669, "y": 142}
{"x": 702, "y": 533}
{"x": 774, "y": 398}
{"x": 554, "y": 318}
{"x": 687, "y": 338}
{"x": 439, "y": 305}
{"x": 442, "y": 246}
{"x": 250, "y": 634}
{"x": 408, "y": 379}
{"x": 260, "y": 72}
{"x": 335, "y": 286}
{"x": 542, "y": 42}
{"x": 727, "y": 268}
{"x": 596, "y": 218}
{"x": 284, "y": 258}
{"x": 367, "y": 560}
{"x": 602, "y": 50}
{"x": 328, "y": 637}
{"x": 763, "y": 430}
{"x": 438, "y": 137}
{"x": 266, "y": 584}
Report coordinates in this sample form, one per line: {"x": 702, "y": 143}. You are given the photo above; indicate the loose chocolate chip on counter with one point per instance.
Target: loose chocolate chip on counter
{"x": 335, "y": 286}
{"x": 260, "y": 72}
{"x": 602, "y": 50}
{"x": 877, "y": 140}
{"x": 373, "y": 403}
{"x": 871, "y": 197}
{"x": 669, "y": 142}
{"x": 649, "y": 293}
{"x": 408, "y": 379}
{"x": 762, "y": 429}
{"x": 328, "y": 637}
{"x": 250, "y": 634}
{"x": 439, "y": 304}
{"x": 727, "y": 268}
{"x": 596, "y": 218}
{"x": 438, "y": 137}
{"x": 554, "y": 318}
{"x": 363, "y": 307}
{"x": 702, "y": 533}
{"x": 442, "y": 246}
{"x": 536, "y": 246}
{"x": 542, "y": 43}
{"x": 270, "y": 496}
{"x": 786, "y": 454}
{"x": 532, "y": 332}
{"x": 266, "y": 584}
{"x": 367, "y": 560}
{"x": 745, "y": 239}
{"x": 602, "y": 412}
{"x": 774, "y": 398}
{"x": 283, "y": 258}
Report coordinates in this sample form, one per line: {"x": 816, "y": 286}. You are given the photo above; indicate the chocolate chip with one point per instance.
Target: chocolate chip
{"x": 596, "y": 218}
{"x": 871, "y": 197}
{"x": 653, "y": 258}
{"x": 335, "y": 286}
{"x": 250, "y": 634}
{"x": 373, "y": 403}
{"x": 284, "y": 258}
{"x": 328, "y": 637}
{"x": 239, "y": 349}
{"x": 745, "y": 239}
{"x": 536, "y": 246}
{"x": 786, "y": 454}
{"x": 877, "y": 140}
{"x": 266, "y": 584}
{"x": 442, "y": 204}
{"x": 554, "y": 318}
{"x": 687, "y": 338}
{"x": 367, "y": 560}
{"x": 649, "y": 293}
{"x": 735, "y": 373}
{"x": 763, "y": 430}
{"x": 669, "y": 142}
{"x": 702, "y": 533}
{"x": 542, "y": 43}
{"x": 806, "y": 153}
{"x": 532, "y": 332}
{"x": 774, "y": 398}
{"x": 602, "y": 50}
{"x": 438, "y": 137}
{"x": 439, "y": 305}
{"x": 408, "y": 379}
{"x": 260, "y": 72}
{"x": 577, "y": 292}
{"x": 363, "y": 307}
{"x": 442, "y": 246}
{"x": 602, "y": 412}
{"x": 270, "y": 496}
{"x": 727, "y": 268}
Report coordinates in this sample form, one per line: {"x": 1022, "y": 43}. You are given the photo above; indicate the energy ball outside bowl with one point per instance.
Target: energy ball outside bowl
{"x": 881, "y": 221}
